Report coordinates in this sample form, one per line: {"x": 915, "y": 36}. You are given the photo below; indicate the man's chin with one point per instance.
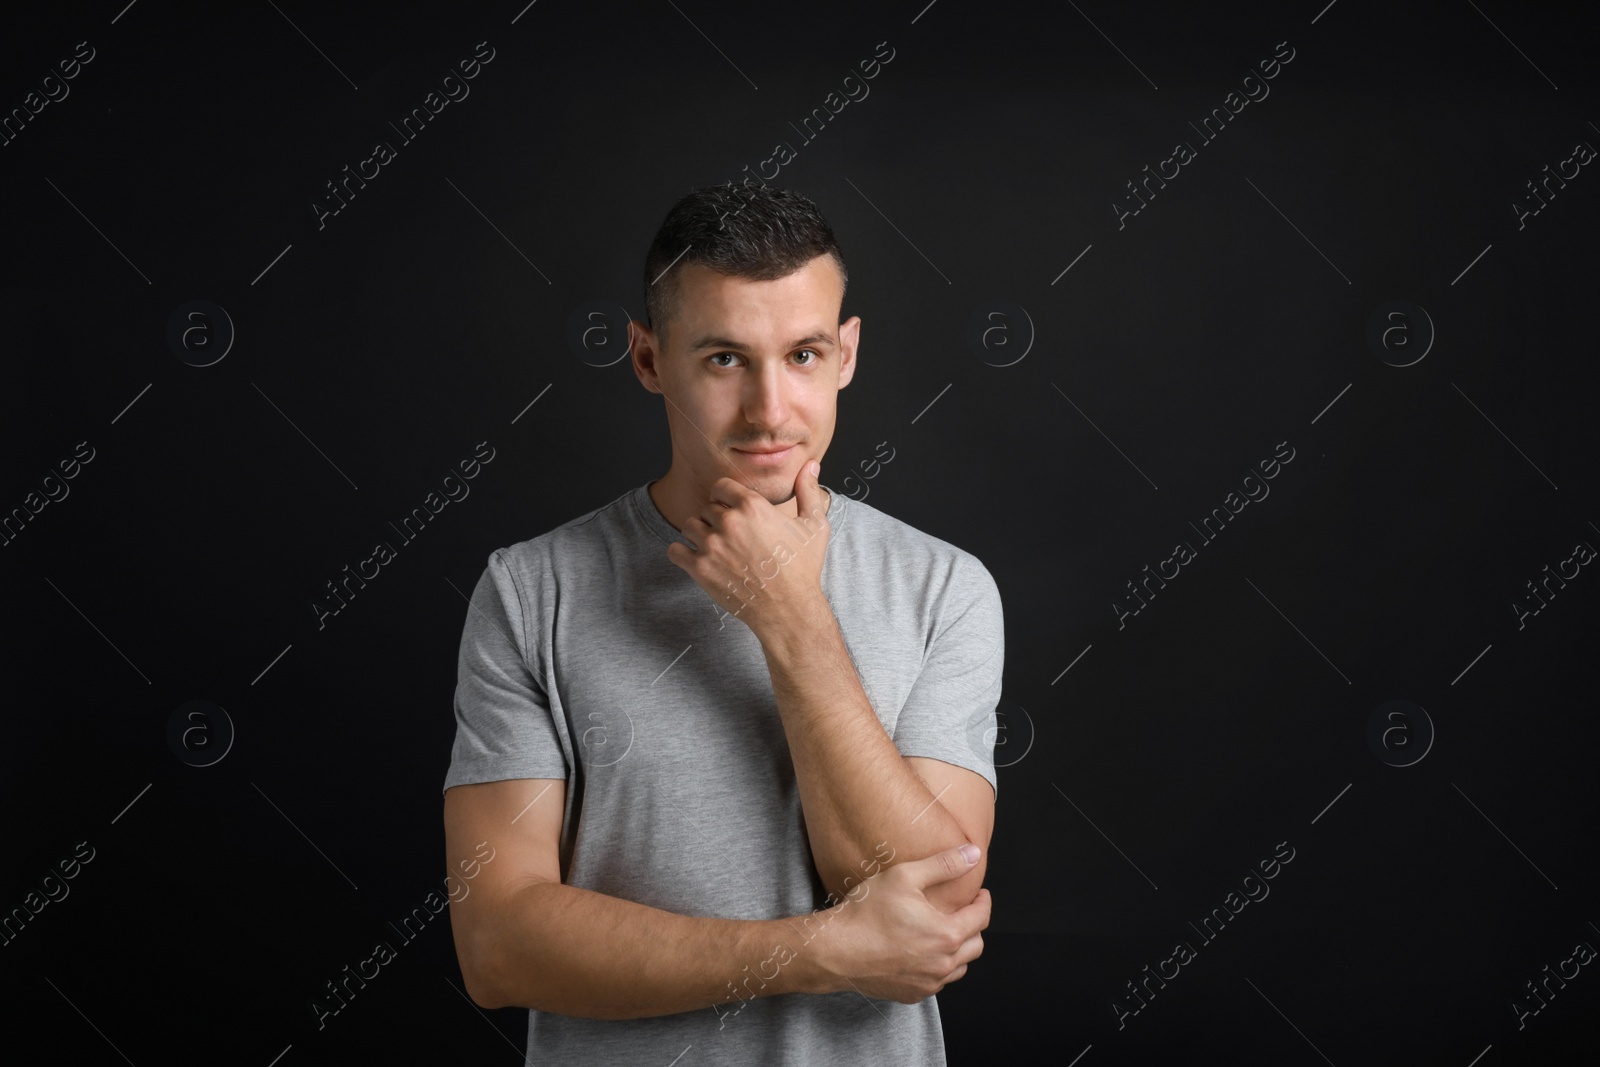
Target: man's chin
{"x": 775, "y": 484}
{"x": 780, "y": 501}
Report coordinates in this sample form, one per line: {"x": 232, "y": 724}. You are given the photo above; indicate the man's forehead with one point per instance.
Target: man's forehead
{"x": 721, "y": 310}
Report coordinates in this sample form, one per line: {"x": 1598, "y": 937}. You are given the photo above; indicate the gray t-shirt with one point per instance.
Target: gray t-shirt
{"x": 588, "y": 655}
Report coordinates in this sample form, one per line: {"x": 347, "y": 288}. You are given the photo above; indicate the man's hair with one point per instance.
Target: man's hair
{"x": 754, "y": 232}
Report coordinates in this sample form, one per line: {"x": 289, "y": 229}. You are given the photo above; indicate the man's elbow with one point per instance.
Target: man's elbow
{"x": 480, "y": 989}
{"x": 956, "y": 893}
{"x": 475, "y": 957}
{"x": 481, "y": 994}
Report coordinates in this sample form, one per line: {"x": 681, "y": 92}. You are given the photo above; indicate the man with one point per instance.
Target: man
{"x": 716, "y": 737}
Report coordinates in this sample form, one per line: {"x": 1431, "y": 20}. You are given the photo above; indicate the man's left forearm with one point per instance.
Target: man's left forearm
{"x": 856, "y": 790}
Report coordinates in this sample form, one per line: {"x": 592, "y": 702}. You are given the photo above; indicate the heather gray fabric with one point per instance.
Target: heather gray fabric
{"x": 588, "y": 655}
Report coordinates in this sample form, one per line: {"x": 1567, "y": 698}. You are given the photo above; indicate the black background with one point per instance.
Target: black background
{"x": 1138, "y": 788}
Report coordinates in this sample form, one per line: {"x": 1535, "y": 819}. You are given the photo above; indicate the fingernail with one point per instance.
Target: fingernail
{"x": 971, "y": 853}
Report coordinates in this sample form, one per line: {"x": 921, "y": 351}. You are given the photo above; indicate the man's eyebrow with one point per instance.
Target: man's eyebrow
{"x": 713, "y": 341}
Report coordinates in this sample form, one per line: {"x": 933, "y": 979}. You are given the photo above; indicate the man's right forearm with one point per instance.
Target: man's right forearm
{"x": 572, "y": 951}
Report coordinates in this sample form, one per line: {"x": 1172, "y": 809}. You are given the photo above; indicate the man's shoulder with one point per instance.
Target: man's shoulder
{"x": 577, "y": 535}
{"x": 876, "y": 534}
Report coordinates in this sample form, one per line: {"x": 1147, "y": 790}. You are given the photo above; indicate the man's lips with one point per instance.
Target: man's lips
{"x": 767, "y": 458}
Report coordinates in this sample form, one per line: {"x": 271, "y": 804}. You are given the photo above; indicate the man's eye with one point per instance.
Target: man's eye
{"x": 813, "y": 353}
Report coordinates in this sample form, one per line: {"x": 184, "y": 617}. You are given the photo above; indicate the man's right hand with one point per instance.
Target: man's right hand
{"x": 887, "y": 940}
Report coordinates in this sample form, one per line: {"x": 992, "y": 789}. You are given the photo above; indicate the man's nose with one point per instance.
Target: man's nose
{"x": 768, "y": 401}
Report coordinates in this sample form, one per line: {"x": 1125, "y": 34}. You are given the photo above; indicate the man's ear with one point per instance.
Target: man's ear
{"x": 849, "y": 339}
{"x": 645, "y": 350}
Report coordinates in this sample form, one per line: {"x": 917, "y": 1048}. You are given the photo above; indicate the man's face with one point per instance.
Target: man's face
{"x": 750, "y": 367}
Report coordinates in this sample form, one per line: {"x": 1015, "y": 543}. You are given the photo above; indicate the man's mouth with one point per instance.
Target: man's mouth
{"x": 767, "y": 457}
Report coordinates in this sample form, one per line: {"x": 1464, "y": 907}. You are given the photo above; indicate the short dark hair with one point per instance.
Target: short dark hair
{"x": 747, "y": 231}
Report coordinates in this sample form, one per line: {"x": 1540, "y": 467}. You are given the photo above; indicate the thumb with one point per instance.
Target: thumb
{"x": 945, "y": 866}
{"x": 808, "y": 493}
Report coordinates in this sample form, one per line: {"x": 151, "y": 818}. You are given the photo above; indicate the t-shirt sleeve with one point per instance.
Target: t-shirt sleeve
{"x": 504, "y": 727}
{"x": 950, "y": 712}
